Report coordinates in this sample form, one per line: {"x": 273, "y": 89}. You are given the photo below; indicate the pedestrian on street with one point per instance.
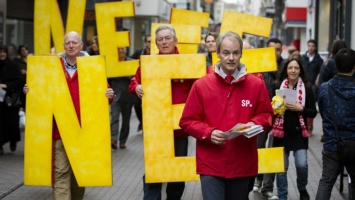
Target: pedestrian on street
{"x": 312, "y": 63}
{"x": 137, "y": 55}
{"x": 290, "y": 129}
{"x": 216, "y": 103}
{"x": 122, "y": 104}
{"x": 337, "y": 108}
{"x": 11, "y": 82}
{"x": 266, "y": 181}
{"x": 210, "y": 42}
{"x": 65, "y": 185}
{"x": 166, "y": 41}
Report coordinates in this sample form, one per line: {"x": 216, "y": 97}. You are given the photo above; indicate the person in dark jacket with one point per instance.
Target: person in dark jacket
{"x": 210, "y": 42}
{"x": 11, "y": 82}
{"x": 340, "y": 110}
{"x": 312, "y": 63}
{"x": 122, "y": 104}
{"x": 290, "y": 129}
{"x": 267, "y": 180}
{"x": 328, "y": 69}
{"x": 137, "y": 55}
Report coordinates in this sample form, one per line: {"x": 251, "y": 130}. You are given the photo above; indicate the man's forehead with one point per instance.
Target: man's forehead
{"x": 164, "y": 32}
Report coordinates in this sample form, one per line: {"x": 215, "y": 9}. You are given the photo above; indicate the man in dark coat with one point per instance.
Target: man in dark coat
{"x": 10, "y": 82}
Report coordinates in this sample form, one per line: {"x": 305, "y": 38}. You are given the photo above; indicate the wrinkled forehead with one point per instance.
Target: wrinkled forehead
{"x": 164, "y": 33}
{"x": 72, "y": 37}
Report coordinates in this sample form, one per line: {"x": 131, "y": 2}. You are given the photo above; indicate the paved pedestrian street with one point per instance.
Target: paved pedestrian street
{"x": 128, "y": 169}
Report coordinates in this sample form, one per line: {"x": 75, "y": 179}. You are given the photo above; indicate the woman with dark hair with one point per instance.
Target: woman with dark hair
{"x": 290, "y": 128}
{"x": 94, "y": 47}
{"x": 210, "y": 42}
{"x": 328, "y": 69}
{"x": 11, "y": 82}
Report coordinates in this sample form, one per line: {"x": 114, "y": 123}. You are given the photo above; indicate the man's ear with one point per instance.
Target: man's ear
{"x": 217, "y": 53}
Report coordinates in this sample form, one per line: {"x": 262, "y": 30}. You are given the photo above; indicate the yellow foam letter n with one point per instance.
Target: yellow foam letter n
{"x": 160, "y": 117}
{"x": 47, "y": 19}
{"x": 86, "y": 144}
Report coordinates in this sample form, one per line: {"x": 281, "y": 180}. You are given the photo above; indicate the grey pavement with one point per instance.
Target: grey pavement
{"x": 128, "y": 169}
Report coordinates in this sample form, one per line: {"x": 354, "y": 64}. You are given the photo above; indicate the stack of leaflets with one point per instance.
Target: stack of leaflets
{"x": 249, "y": 132}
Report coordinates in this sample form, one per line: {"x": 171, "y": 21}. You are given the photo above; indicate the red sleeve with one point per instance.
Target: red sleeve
{"x": 191, "y": 121}
{"x": 135, "y": 81}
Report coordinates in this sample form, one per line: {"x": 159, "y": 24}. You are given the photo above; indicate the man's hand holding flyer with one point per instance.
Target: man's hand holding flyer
{"x": 247, "y": 130}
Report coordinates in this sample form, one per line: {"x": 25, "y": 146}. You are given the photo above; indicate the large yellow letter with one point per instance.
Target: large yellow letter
{"x": 110, "y": 39}
{"x": 159, "y": 116}
{"x": 47, "y": 19}
{"x": 256, "y": 60}
{"x": 85, "y": 144}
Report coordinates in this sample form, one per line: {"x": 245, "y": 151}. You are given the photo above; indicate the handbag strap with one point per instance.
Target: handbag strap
{"x": 331, "y": 101}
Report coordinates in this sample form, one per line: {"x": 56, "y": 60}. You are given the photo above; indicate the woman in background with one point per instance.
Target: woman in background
{"x": 290, "y": 128}
{"x": 94, "y": 48}
{"x": 10, "y": 81}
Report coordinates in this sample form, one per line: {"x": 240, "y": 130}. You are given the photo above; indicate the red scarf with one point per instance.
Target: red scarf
{"x": 278, "y": 127}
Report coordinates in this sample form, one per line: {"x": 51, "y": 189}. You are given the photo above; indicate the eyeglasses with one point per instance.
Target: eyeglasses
{"x": 72, "y": 43}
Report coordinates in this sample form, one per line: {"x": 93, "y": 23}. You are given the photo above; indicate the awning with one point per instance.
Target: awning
{"x": 296, "y": 24}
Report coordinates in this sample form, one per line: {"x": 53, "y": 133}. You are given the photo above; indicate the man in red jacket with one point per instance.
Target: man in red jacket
{"x": 65, "y": 186}
{"x": 216, "y": 103}
{"x": 166, "y": 41}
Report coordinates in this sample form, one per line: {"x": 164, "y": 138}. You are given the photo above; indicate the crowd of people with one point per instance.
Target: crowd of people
{"x": 228, "y": 168}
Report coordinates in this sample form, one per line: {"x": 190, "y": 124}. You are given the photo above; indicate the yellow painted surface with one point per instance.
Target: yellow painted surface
{"x": 110, "y": 39}
{"x": 245, "y": 23}
{"x": 271, "y": 160}
{"x": 189, "y": 36}
{"x": 48, "y": 20}
{"x": 256, "y": 60}
{"x": 86, "y": 145}
{"x": 160, "y": 117}
{"x": 181, "y": 16}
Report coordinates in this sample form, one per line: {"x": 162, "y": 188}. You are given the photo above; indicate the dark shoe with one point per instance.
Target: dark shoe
{"x": 1, "y": 151}
{"x": 139, "y": 127}
{"x": 257, "y": 185}
{"x": 322, "y": 139}
{"x": 113, "y": 144}
{"x": 13, "y": 146}
{"x": 122, "y": 146}
{"x": 304, "y": 195}
{"x": 269, "y": 196}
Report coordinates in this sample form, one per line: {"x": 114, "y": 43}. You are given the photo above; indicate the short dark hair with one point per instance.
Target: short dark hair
{"x": 20, "y": 47}
{"x": 345, "y": 60}
{"x": 146, "y": 37}
{"x": 274, "y": 40}
{"x": 312, "y": 41}
{"x": 283, "y": 73}
{"x": 337, "y": 45}
{"x": 215, "y": 35}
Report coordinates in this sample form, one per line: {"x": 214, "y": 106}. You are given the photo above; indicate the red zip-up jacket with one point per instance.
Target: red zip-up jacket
{"x": 215, "y": 104}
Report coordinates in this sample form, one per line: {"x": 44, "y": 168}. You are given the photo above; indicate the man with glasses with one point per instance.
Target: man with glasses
{"x": 216, "y": 103}
{"x": 166, "y": 42}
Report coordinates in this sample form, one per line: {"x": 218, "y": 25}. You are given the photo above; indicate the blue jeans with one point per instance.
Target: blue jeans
{"x": 218, "y": 188}
{"x": 301, "y": 171}
{"x": 174, "y": 190}
{"x": 331, "y": 170}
